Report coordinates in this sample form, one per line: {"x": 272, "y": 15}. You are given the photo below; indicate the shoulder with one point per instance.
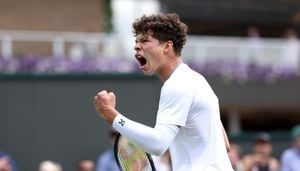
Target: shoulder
{"x": 176, "y": 91}
{"x": 247, "y": 162}
{"x": 182, "y": 79}
{"x": 288, "y": 153}
{"x": 274, "y": 163}
{"x": 189, "y": 77}
{"x": 248, "y": 158}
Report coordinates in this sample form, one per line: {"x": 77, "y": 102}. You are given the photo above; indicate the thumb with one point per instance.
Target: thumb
{"x": 112, "y": 98}
{"x": 112, "y": 95}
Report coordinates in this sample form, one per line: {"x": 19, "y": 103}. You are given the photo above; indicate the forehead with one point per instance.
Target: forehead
{"x": 142, "y": 36}
{"x": 262, "y": 143}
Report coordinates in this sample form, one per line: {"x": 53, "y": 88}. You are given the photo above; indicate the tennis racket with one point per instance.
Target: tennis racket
{"x": 130, "y": 157}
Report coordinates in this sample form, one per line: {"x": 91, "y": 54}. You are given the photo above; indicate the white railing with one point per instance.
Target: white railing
{"x": 264, "y": 51}
{"x": 101, "y": 43}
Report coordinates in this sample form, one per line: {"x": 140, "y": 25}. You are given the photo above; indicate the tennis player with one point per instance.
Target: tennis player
{"x": 188, "y": 118}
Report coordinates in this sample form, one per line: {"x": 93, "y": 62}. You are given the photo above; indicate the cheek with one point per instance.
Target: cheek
{"x": 153, "y": 57}
{"x": 266, "y": 149}
{"x": 297, "y": 142}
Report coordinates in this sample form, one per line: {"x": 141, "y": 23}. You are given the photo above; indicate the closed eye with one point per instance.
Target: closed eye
{"x": 141, "y": 41}
{"x": 144, "y": 40}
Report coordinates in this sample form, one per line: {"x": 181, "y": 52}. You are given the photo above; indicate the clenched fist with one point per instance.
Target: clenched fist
{"x": 105, "y": 104}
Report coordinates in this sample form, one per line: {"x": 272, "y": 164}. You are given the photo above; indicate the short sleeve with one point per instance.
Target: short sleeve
{"x": 174, "y": 105}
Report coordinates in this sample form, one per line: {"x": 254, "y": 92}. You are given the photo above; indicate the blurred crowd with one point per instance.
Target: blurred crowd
{"x": 260, "y": 159}
{"x": 289, "y": 53}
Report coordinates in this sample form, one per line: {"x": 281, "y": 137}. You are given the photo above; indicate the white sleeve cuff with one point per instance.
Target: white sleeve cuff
{"x": 119, "y": 122}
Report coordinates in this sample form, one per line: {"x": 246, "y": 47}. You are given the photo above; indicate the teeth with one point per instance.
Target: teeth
{"x": 138, "y": 56}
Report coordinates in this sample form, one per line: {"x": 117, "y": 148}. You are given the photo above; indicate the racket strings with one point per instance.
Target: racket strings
{"x": 131, "y": 157}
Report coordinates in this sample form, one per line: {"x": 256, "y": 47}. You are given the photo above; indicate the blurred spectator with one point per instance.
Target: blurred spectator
{"x": 85, "y": 165}
{"x": 255, "y": 44}
{"x": 163, "y": 163}
{"x": 261, "y": 159}
{"x": 50, "y": 166}
{"x": 7, "y": 163}
{"x": 106, "y": 161}
{"x": 290, "y": 53}
{"x": 235, "y": 157}
{"x": 290, "y": 159}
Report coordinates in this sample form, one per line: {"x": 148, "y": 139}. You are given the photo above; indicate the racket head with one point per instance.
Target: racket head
{"x": 129, "y": 157}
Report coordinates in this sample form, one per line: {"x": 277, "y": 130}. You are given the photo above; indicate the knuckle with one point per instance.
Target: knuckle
{"x": 112, "y": 94}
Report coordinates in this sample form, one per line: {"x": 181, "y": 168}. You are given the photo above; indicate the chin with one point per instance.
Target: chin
{"x": 149, "y": 73}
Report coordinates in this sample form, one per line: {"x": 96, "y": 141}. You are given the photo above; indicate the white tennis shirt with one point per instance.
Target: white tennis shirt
{"x": 188, "y": 101}
{"x": 188, "y": 123}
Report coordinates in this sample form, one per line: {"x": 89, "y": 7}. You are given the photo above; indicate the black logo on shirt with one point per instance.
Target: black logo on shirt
{"x": 122, "y": 122}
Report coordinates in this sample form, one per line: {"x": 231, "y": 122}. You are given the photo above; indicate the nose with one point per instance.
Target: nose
{"x": 137, "y": 47}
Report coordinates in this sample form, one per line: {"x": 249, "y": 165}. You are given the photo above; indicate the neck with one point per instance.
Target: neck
{"x": 168, "y": 68}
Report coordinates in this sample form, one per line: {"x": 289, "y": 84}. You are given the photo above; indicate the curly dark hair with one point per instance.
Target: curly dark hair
{"x": 163, "y": 27}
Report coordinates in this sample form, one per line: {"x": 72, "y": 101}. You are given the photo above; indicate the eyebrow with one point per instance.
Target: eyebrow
{"x": 143, "y": 37}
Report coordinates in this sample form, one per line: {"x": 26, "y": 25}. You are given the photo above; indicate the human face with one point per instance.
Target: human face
{"x": 263, "y": 148}
{"x": 234, "y": 157}
{"x": 86, "y": 165}
{"x": 297, "y": 142}
{"x": 4, "y": 164}
{"x": 149, "y": 53}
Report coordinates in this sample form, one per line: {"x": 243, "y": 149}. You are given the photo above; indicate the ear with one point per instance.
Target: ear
{"x": 168, "y": 46}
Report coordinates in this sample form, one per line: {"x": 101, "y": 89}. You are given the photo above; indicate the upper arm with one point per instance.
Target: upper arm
{"x": 174, "y": 105}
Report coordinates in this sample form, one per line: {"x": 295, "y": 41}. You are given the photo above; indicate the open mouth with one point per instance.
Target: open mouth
{"x": 142, "y": 60}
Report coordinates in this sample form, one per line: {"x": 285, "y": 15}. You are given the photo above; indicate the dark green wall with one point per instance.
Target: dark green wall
{"x": 51, "y": 117}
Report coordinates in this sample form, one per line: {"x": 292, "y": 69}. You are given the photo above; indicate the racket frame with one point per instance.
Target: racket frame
{"x": 116, "y": 145}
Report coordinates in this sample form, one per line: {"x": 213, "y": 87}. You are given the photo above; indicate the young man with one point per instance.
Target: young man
{"x": 188, "y": 119}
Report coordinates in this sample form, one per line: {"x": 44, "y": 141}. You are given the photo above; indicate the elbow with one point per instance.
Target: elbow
{"x": 158, "y": 150}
